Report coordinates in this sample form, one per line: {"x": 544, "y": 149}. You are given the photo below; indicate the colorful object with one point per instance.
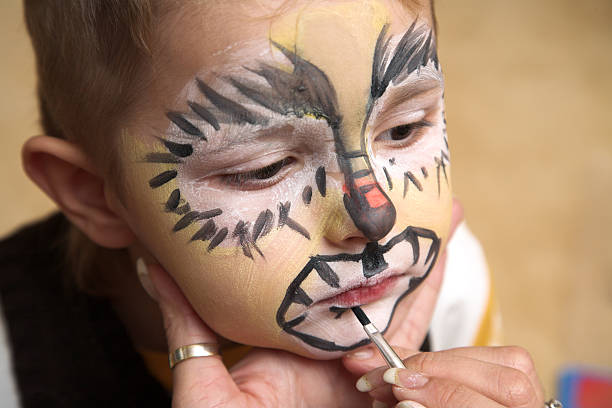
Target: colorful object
{"x": 585, "y": 387}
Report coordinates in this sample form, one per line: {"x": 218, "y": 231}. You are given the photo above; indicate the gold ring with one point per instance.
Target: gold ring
{"x": 192, "y": 350}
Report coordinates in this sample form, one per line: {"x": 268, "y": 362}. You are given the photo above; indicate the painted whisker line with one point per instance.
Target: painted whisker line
{"x": 193, "y": 216}
{"x": 183, "y": 124}
{"x": 444, "y": 155}
{"x": 238, "y": 113}
{"x": 284, "y": 219}
{"x": 241, "y": 231}
{"x": 392, "y": 161}
{"x": 321, "y": 180}
{"x": 162, "y": 178}
{"x": 424, "y": 171}
{"x": 178, "y": 149}
{"x": 217, "y": 239}
{"x": 162, "y": 158}
{"x": 307, "y": 195}
{"x": 388, "y": 177}
{"x": 441, "y": 164}
{"x": 173, "y": 200}
{"x": 263, "y": 225}
{"x": 408, "y": 176}
{"x": 206, "y": 232}
{"x": 205, "y": 114}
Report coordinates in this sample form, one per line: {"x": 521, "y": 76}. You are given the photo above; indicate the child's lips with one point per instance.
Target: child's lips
{"x": 367, "y": 293}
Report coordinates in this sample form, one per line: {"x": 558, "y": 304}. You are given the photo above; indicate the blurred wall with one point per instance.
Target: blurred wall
{"x": 528, "y": 104}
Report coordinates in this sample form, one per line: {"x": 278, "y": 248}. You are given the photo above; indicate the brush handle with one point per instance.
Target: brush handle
{"x": 385, "y": 349}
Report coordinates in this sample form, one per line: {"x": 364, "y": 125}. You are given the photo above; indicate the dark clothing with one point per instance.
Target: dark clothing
{"x": 69, "y": 349}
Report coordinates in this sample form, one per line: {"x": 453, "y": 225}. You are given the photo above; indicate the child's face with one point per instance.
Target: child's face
{"x": 293, "y": 167}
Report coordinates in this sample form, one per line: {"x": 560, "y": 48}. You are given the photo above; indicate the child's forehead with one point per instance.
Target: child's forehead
{"x": 338, "y": 37}
{"x": 215, "y": 35}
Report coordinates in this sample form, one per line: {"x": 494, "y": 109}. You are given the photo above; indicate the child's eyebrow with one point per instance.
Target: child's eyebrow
{"x": 427, "y": 80}
{"x": 246, "y": 138}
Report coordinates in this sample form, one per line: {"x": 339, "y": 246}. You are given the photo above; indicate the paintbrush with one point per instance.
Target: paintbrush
{"x": 377, "y": 338}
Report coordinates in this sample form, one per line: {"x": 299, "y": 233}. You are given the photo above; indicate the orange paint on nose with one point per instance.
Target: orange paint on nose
{"x": 373, "y": 193}
{"x": 376, "y": 198}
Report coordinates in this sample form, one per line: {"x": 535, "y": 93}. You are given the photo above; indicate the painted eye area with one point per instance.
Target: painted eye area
{"x": 259, "y": 178}
{"x": 404, "y": 135}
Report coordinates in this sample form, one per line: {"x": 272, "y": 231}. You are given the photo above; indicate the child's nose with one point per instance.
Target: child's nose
{"x": 367, "y": 204}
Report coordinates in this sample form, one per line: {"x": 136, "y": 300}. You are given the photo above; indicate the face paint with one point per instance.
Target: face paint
{"x": 271, "y": 158}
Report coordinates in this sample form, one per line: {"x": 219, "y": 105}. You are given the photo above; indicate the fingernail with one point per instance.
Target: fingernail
{"x": 409, "y": 404}
{"x": 362, "y": 354}
{"x": 363, "y": 384}
{"x": 404, "y": 378}
{"x": 379, "y": 404}
{"x": 145, "y": 280}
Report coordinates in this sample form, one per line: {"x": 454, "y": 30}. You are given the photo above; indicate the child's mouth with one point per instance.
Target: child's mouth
{"x": 329, "y": 285}
{"x": 361, "y": 295}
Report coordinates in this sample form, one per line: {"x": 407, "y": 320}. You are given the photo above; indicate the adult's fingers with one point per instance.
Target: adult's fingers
{"x": 434, "y": 392}
{"x": 509, "y": 356}
{"x": 197, "y": 382}
{"x": 496, "y": 378}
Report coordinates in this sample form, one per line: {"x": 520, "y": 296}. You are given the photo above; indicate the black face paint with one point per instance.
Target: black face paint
{"x": 307, "y": 195}
{"x": 173, "y": 200}
{"x": 204, "y": 114}
{"x": 217, "y": 239}
{"x": 284, "y": 219}
{"x": 162, "y": 178}
{"x": 424, "y": 171}
{"x": 321, "y": 180}
{"x": 194, "y": 216}
{"x": 392, "y": 161}
{"x": 263, "y": 224}
{"x": 238, "y": 113}
{"x": 440, "y": 164}
{"x": 241, "y": 231}
{"x": 388, "y": 177}
{"x": 206, "y": 232}
{"x": 178, "y": 149}
{"x": 372, "y": 255}
{"x": 183, "y": 124}
{"x": 409, "y": 177}
{"x": 338, "y": 311}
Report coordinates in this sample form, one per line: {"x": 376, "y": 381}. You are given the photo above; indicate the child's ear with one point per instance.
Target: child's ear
{"x": 67, "y": 175}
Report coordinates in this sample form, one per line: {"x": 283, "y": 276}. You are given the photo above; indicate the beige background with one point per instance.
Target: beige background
{"x": 528, "y": 105}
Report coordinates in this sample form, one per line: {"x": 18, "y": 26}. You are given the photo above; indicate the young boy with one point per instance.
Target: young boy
{"x": 284, "y": 163}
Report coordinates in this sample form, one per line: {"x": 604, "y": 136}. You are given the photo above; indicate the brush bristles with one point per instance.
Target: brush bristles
{"x": 361, "y": 316}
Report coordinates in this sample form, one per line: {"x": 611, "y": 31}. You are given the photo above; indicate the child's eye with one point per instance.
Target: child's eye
{"x": 259, "y": 178}
{"x": 404, "y": 135}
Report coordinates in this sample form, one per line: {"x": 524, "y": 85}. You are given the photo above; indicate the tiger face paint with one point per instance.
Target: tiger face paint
{"x": 303, "y": 170}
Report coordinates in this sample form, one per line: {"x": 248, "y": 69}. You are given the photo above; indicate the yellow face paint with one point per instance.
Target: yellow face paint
{"x": 296, "y": 183}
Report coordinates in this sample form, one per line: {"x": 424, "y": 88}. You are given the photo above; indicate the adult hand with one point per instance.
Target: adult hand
{"x": 263, "y": 378}
{"x": 475, "y": 377}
